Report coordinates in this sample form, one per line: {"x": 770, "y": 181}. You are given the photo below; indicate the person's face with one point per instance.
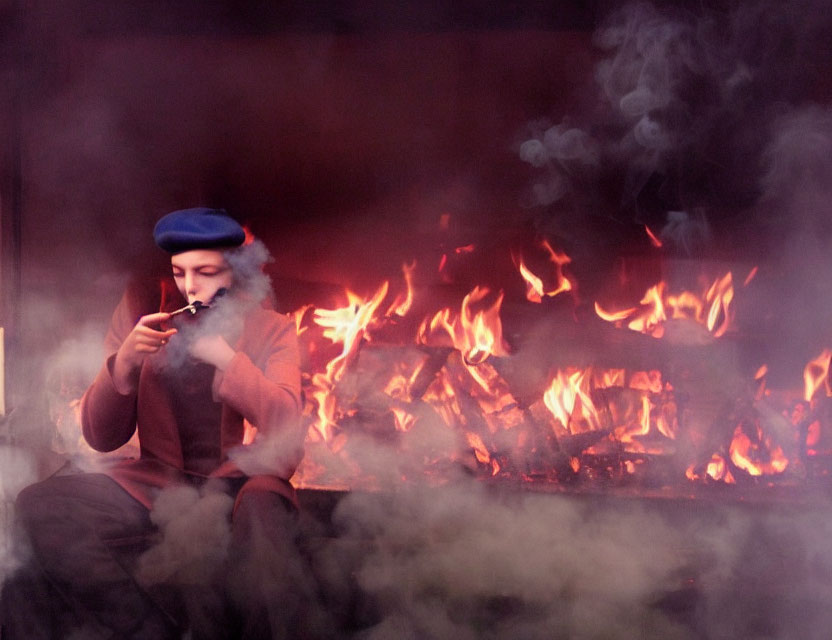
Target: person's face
{"x": 200, "y": 273}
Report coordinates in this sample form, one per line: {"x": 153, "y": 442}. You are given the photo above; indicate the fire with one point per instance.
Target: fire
{"x": 401, "y": 305}
{"x": 653, "y": 239}
{"x": 476, "y": 334}
{"x": 746, "y": 452}
{"x": 346, "y": 326}
{"x": 404, "y": 420}
{"x": 457, "y": 379}
{"x": 583, "y": 400}
{"x": 815, "y": 374}
{"x": 480, "y": 450}
{"x": 249, "y": 432}
{"x": 535, "y": 289}
{"x": 569, "y": 401}
{"x": 712, "y": 309}
{"x": 718, "y": 470}
{"x": 615, "y": 316}
{"x": 650, "y": 320}
{"x": 760, "y": 377}
{"x": 534, "y": 285}
{"x": 719, "y": 296}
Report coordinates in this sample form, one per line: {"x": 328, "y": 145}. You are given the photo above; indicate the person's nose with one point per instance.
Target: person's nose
{"x": 190, "y": 284}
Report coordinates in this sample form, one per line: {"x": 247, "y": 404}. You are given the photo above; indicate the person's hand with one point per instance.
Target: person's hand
{"x": 142, "y": 341}
{"x": 212, "y": 349}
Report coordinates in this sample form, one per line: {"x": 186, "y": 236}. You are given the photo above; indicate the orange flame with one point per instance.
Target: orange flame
{"x": 815, "y": 373}
{"x": 650, "y": 320}
{"x": 614, "y": 316}
{"x": 568, "y": 396}
{"x": 720, "y": 295}
{"x": 477, "y": 335}
{"x": 347, "y": 326}
{"x": 534, "y": 285}
{"x": 653, "y": 239}
{"x": 400, "y": 306}
{"x": 744, "y": 453}
{"x": 404, "y": 420}
{"x": 657, "y": 306}
{"x": 480, "y": 450}
{"x": 718, "y": 469}
{"x": 535, "y": 289}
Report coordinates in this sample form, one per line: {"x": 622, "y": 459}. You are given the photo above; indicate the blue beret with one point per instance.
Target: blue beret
{"x": 198, "y": 228}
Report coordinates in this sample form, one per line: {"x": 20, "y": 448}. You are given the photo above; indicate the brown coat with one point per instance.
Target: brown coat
{"x": 261, "y": 385}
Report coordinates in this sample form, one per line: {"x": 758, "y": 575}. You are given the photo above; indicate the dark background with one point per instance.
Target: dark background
{"x": 341, "y": 132}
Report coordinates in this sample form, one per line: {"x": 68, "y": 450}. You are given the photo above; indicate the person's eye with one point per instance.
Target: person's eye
{"x": 212, "y": 271}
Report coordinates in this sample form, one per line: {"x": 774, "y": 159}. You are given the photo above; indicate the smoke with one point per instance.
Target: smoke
{"x": 247, "y": 263}
{"x": 480, "y": 565}
{"x": 469, "y": 561}
{"x": 798, "y": 162}
{"x": 195, "y": 533}
{"x": 706, "y": 113}
{"x": 273, "y": 453}
{"x": 18, "y": 469}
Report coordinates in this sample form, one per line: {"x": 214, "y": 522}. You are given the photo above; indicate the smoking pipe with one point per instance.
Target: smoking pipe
{"x": 198, "y": 305}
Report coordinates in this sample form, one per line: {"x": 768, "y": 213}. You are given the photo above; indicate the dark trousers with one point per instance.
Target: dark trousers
{"x": 85, "y": 534}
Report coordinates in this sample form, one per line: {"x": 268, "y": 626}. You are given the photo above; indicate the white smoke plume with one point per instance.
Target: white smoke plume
{"x": 195, "y": 529}
{"x": 799, "y": 166}
{"x": 470, "y": 561}
{"x": 705, "y": 110}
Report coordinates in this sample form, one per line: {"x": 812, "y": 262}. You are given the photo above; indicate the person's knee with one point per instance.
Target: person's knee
{"x": 256, "y": 504}
{"x": 33, "y": 505}
{"x": 46, "y": 506}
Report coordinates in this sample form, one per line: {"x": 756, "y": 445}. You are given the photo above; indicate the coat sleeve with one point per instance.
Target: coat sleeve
{"x": 108, "y": 418}
{"x": 267, "y": 393}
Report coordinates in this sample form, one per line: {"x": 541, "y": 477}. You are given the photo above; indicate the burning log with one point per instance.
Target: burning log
{"x": 437, "y": 357}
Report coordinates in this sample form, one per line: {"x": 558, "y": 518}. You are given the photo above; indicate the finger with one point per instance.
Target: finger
{"x": 153, "y": 333}
{"x": 147, "y": 348}
{"x": 150, "y": 341}
{"x": 153, "y": 318}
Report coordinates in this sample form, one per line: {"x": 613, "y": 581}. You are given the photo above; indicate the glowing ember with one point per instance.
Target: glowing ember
{"x": 653, "y": 239}
{"x": 718, "y": 470}
{"x": 749, "y": 452}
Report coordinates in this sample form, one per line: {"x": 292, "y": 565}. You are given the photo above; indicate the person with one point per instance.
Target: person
{"x": 188, "y": 383}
